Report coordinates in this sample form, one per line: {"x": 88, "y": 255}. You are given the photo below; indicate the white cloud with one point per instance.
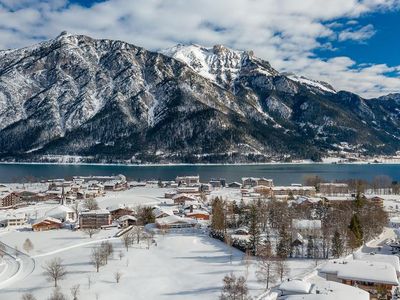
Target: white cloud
{"x": 285, "y": 32}
{"x": 360, "y": 34}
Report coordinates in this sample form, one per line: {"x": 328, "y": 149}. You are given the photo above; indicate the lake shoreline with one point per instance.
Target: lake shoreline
{"x": 201, "y": 164}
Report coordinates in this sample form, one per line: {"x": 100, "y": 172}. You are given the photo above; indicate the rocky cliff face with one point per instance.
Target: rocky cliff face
{"x": 110, "y": 100}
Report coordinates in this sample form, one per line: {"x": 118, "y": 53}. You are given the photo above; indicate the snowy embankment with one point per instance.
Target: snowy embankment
{"x": 17, "y": 267}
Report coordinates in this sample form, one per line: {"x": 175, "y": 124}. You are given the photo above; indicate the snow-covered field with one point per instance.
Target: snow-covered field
{"x": 186, "y": 265}
{"x": 183, "y": 265}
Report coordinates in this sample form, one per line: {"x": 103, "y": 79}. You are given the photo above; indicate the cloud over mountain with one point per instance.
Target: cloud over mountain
{"x": 285, "y": 32}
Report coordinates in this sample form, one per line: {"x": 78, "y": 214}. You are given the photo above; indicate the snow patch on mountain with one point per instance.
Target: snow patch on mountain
{"x": 218, "y": 63}
{"x": 312, "y": 83}
{"x": 277, "y": 106}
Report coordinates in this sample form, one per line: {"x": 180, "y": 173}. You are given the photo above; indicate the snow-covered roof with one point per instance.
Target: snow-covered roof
{"x": 197, "y": 211}
{"x": 126, "y": 218}
{"x": 330, "y": 290}
{"x": 334, "y": 184}
{"x": 360, "y": 270}
{"x": 97, "y": 212}
{"x": 302, "y": 199}
{"x": 59, "y": 210}
{"x": 15, "y": 216}
{"x": 306, "y": 224}
{"x": 46, "y": 219}
{"x": 175, "y": 219}
{"x": 158, "y": 211}
{"x": 293, "y": 188}
{"x": 295, "y": 287}
{"x": 177, "y": 196}
{"x": 389, "y": 259}
{"x": 117, "y": 207}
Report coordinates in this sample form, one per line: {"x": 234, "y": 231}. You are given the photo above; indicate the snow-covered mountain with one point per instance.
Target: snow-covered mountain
{"x": 219, "y": 63}
{"x": 112, "y": 100}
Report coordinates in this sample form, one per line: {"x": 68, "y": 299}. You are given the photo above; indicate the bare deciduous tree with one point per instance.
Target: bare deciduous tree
{"x": 75, "y": 207}
{"x": 127, "y": 239}
{"x": 234, "y": 288}
{"x": 28, "y": 296}
{"x": 107, "y": 250}
{"x": 89, "y": 280}
{"x": 97, "y": 258}
{"x": 75, "y": 291}
{"x": 57, "y": 295}
{"x": 149, "y": 236}
{"x": 91, "y": 231}
{"x": 117, "y": 276}
{"x": 28, "y": 246}
{"x": 282, "y": 269}
{"x": 247, "y": 261}
{"x": 55, "y": 270}
{"x": 229, "y": 242}
{"x": 266, "y": 271}
{"x": 138, "y": 232}
{"x": 91, "y": 204}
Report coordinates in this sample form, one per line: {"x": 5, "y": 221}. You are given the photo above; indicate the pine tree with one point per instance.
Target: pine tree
{"x": 310, "y": 247}
{"x": 337, "y": 245}
{"x": 356, "y": 230}
{"x": 283, "y": 247}
{"x": 254, "y": 230}
{"x": 218, "y": 216}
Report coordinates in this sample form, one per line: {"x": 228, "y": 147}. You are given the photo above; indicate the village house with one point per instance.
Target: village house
{"x": 181, "y": 198}
{"x": 235, "y": 185}
{"x": 307, "y": 227}
{"x": 332, "y": 199}
{"x": 188, "y": 190}
{"x": 117, "y": 212}
{"x": 367, "y": 275}
{"x": 46, "y": 223}
{"x": 187, "y": 180}
{"x": 63, "y": 213}
{"x": 115, "y": 185}
{"x": 197, "y": 214}
{"x": 9, "y": 199}
{"x": 94, "y": 219}
{"x": 169, "y": 194}
{"x": 299, "y": 289}
{"x": 333, "y": 188}
{"x": 17, "y": 219}
{"x": 175, "y": 222}
{"x": 293, "y": 190}
{"x": 127, "y": 220}
{"x": 254, "y": 181}
{"x": 161, "y": 212}
{"x": 263, "y": 190}
{"x": 306, "y": 201}
{"x": 378, "y": 201}
{"x": 205, "y": 188}
{"x": 215, "y": 183}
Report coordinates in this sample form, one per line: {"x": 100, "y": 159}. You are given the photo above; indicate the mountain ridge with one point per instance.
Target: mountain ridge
{"x": 111, "y": 101}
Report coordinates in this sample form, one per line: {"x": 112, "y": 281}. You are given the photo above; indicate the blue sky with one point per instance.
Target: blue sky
{"x": 383, "y": 47}
{"x": 352, "y": 44}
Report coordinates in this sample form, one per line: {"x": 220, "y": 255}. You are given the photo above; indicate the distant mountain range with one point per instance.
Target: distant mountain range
{"x": 110, "y": 101}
